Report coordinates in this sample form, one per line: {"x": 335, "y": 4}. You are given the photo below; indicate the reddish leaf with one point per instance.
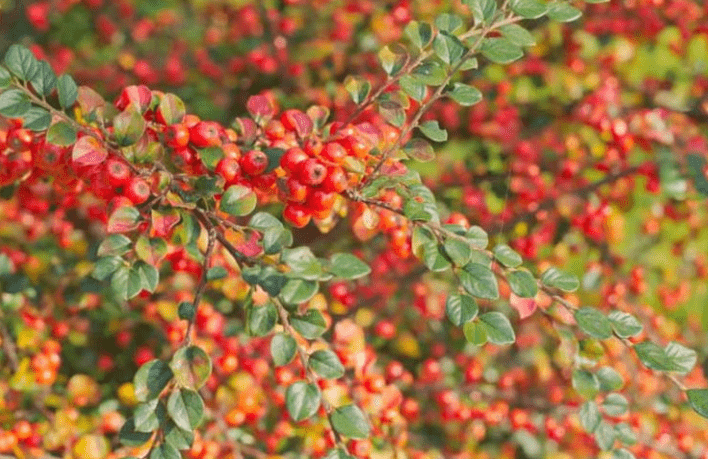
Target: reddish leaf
{"x": 89, "y": 100}
{"x": 299, "y": 121}
{"x": 524, "y": 306}
{"x": 89, "y": 151}
{"x": 260, "y": 107}
{"x": 139, "y": 96}
{"x": 246, "y": 129}
{"x": 164, "y": 222}
{"x": 319, "y": 115}
{"x": 250, "y": 247}
{"x": 123, "y": 219}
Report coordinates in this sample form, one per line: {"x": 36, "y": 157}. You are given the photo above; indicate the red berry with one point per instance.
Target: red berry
{"x": 297, "y": 215}
{"x": 334, "y": 152}
{"x": 118, "y": 172}
{"x": 336, "y": 180}
{"x": 229, "y": 169}
{"x": 312, "y": 172}
{"x": 177, "y": 136}
{"x": 290, "y": 161}
{"x": 205, "y": 134}
{"x": 320, "y": 200}
{"x": 296, "y": 190}
{"x": 254, "y": 162}
{"x": 138, "y": 190}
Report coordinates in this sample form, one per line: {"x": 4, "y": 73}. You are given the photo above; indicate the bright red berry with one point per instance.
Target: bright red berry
{"x": 334, "y": 152}
{"x": 254, "y": 162}
{"x": 118, "y": 172}
{"x": 297, "y": 215}
{"x": 291, "y": 160}
{"x": 312, "y": 172}
{"x": 138, "y": 190}
{"x": 205, "y": 134}
{"x": 229, "y": 169}
{"x": 320, "y": 201}
{"x": 177, "y": 136}
{"x": 336, "y": 180}
{"x": 296, "y": 191}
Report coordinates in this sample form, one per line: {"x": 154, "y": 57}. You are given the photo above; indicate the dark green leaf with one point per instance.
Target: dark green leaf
{"x": 430, "y": 72}
{"x": 302, "y": 400}
{"x": 419, "y": 150}
{"x": 585, "y": 383}
{"x": 106, "y": 266}
{"x": 61, "y": 134}
{"x": 698, "y": 399}
{"x": 186, "y": 408}
{"x": 216, "y": 273}
{"x": 529, "y": 9}
{"x": 448, "y": 47}
{"x": 358, "y": 88}
{"x": 262, "y": 319}
{"x": 413, "y": 87}
{"x": 310, "y": 325}
{"x": 21, "y": 62}
{"x": 563, "y": 12}
{"x": 419, "y": 33}
{"x": 605, "y": 435}
{"x": 238, "y": 200}
{"x": 178, "y": 438}
{"x": 67, "y": 91}
{"x": 625, "y": 325}
{"x": 114, "y": 244}
{"x": 191, "y": 367}
{"x": 501, "y": 50}
{"x": 302, "y": 262}
{"x": 507, "y": 256}
{"x": 149, "y": 415}
{"x": 461, "y": 308}
{"x": 126, "y": 283}
{"x": 432, "y": 130}
{"x": 171, "y": 109}
{"x": 517, "y": 35}
{"x": 482, "y": 10}
{"x": 625, "y": 433}
{"x": 478, "y": 237}
{"x": 151, "y": 379}
{"x": 148, "y": 274}
{"x": 464, "y": 94}
{"x": 522, "y": 283}
{"x": 682, "y": 358}
{"x": 14, "y": 103}
{"x": 459, "y": 251}
{"x": 45, "y": 80}
{"x": 211, "y": 156}
{"x": 479, "y": 281}
{"x": 553, "y": 277}
{"x": 165, "y": 451}
{"x": 338, "y": 454}
{"x": 326, "y": 364}
{"x": 498, "y": 328}
{"x": 615, "y": 404}
{"x": 617, "y": 453}
{"x": 186, "y": 311}
{"x": 349, "y": 421}
{"x": 653, "y": 356}
{"x": 609, "y": 379}
{"x": 593, "y": 322}
{"x": 348, "y": 266}
{"x": 392, "y": 59}
{"x": 448, "y": 22}
{"x": 5, "y": 78}
{"x": 128, "y": 436}
{"x": 297, "y": 291}
{"x": 282, "y": 348}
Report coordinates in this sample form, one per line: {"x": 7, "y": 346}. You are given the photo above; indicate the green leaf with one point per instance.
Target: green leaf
{"x": 419, "y": 33}
{"x": 126, "y": 283}
{"x": 682, "y": 358}
{"x": 465, "y": 95}
{"x": 593, "y": 322}
{"x": 67, "y": 91}
{"x": 617, "y": 453}
{"x": 585, "y": 383}
{"x": 698, "y": 399}
{"x": 128, "y": 436}
{"x": 348, "y": 266}
{"x": 171, "y": 108}
{"x": 605, "y": 436}
{"x": 459, "y": 251}
{"x": 238, "y": 200}
{"x": 392, "y": 112}
{"x": 211, "y": 156}
{"x": 61, "y": 134}
{"x": 191, "y": 367}
{"x": 151, "y": 379}
{"x": 479, "y": 281}
{"x": 461, "y": 308}
{"x": 522, "y": 283}
{"x": 186, "y": 408}
{"x": 165, "y": 451}
{"x": 302, "y": 262}
{"x": 529, "y": 9}
{"x": 475, "y": 332}
{"x": 262, "y": 319}
{"x": 357, "y": 87}
{"x": 392, "y": 59}
{"x": 36, "y": 119}
{"x": 186, "y": 311}
{"x": 302, "y": 400}
{"x": 563, "y": 12}
{"x": 625, "y": 434}
{"x": 178, "y": 438}
{"x": 482, "y": 10}
{"x": 448, "y": 22}
{"x": 282, "y": 349}
{"x": 128, "y": 126}
{"x": 448, "y": 47}
{"x": 149, "y": 415}
{"x": 615, "y": 404}
{"x": 21, "y": 62}
{"x": 478, "y": 237}
{"x": 106, "y": 266}
{"x": 625, "y": 325}
{"x": 553, "y": 277}
{"x": 419, "y": 150}
{"x": 430, "y": 72}
{"x": 350, "y": 421}
{"x": 310, "y": 325}
{"x": 501, "y": 50}
{"x": 326, "y": 364}
{"x": 653, "y": 356}
{"x": 148, "y": 274}
{"x": 498, "y": 328}
{"x": 338, "y": 454}
{"x": 432, "y": 130}
{"x": 14, "y": 103}
{"x": 5, "y": 78}
{"x": 114, "y": 244}
{"x": 507, "y": 256}
{"x": 517, "y": 35}
{"x": 297, "y": 291}
{"x": 610, "y": 379}
{"x": 590, "y": 416}
{"x": 45, "y": 80}
{"x": 413, "y": 87}
{"x": 216, "y": 273}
